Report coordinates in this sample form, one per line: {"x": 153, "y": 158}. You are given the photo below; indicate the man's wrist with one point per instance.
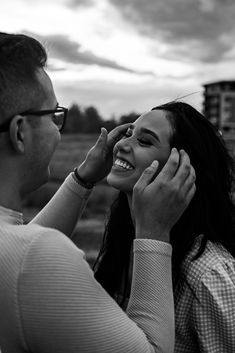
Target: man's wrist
{"x": 82, "y": 181}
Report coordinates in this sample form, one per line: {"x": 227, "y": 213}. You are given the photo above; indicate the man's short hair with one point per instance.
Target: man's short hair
{"x": 21, "y": 57}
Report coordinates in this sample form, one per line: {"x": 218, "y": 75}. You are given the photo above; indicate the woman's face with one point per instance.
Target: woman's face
{"x": 146, "y": 140}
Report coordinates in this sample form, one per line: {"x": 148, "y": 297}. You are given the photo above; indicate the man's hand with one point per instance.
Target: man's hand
{"x": 159, "y": 203}
{"x": 99, "y": 159}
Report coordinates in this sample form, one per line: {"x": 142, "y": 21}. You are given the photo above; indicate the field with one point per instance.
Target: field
{"x": 89, "y": 230}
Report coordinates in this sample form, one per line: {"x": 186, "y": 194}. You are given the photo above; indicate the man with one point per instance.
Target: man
{"x": 49, "y": 299}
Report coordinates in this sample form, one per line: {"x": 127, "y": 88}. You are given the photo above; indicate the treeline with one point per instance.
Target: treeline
{"x": 88, "y": 120}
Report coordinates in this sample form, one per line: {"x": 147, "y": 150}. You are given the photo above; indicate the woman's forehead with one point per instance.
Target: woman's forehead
{"x": 157, "y": 122}
{"x": 154, "y": 119}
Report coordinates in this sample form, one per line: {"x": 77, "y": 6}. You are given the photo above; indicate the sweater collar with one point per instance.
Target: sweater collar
{"x": 10, "y": 216}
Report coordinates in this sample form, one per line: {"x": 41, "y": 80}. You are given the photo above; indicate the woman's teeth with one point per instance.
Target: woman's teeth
{"x": 122, "y": 164}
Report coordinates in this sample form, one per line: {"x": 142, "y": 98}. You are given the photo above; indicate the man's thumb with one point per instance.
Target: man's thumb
{"x": 102, "y": 139}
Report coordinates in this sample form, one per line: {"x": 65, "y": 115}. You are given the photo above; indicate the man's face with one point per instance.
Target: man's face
{"x": 43, "y": 135}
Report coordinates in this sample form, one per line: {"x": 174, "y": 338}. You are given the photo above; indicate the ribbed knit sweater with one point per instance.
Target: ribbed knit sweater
{"x": 51, "y": 303}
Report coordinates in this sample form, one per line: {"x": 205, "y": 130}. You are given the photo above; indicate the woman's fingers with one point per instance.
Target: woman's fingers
{"x": 183, "y": 170}
{"x": 146, "y": 176}
{"x": 189, "y": 181}
{"x": 170, "y": 168}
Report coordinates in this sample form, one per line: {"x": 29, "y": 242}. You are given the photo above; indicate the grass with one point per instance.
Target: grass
{"x": 70, "y": 153}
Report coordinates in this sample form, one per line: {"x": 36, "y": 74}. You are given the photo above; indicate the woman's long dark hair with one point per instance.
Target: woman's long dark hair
{"x": 210, "y": 212}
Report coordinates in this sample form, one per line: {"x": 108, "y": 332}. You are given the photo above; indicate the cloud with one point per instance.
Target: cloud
{"x": 116, "y": 98}
{"x": 198, "y": 29}
{"x": 207, "y": 5}
{"x": 60, "y": 47}
{"x": 68, "y": 3}
{"x": 54, "y": 2}
{"x": 80, "y": 3}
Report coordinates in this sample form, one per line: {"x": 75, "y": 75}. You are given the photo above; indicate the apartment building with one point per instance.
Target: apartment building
{"x": 219, "y": 104}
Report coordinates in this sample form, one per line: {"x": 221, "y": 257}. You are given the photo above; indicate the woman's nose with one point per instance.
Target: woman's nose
{"x": 124, "y": 144}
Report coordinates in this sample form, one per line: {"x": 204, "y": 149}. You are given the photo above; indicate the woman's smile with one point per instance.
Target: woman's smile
{"x": 121, "y": 164}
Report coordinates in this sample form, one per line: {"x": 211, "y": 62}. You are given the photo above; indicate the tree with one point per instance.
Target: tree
{"x": 110, "y": 124}
{"x": 128, "y": 118}
{"x": 93, "y": 121}
{"x": 75, "y": 120}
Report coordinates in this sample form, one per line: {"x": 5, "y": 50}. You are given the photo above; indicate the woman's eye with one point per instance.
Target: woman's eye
{"x": 144, "y": 142}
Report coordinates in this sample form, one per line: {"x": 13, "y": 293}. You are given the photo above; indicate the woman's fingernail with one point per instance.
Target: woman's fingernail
{"x": 154, "y": 164}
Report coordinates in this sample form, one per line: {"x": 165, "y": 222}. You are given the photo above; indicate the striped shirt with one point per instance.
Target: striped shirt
{"x": 50, "y": 302}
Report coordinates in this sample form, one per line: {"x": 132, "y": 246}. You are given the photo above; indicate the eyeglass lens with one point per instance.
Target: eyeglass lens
{"x": 58, "y": 118}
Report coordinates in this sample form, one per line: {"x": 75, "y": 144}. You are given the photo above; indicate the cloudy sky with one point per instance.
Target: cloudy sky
{"x": 129, "y": 55}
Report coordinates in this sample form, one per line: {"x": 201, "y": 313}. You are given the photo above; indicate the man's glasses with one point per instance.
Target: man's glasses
{"x": 59, "y": 116}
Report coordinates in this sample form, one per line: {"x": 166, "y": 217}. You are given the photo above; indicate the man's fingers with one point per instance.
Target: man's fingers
{"x": 116, "y": 134}
{"x": 146, "y": 176}
{"x": 171, "y": 166}
{"x": 102, "y": 139}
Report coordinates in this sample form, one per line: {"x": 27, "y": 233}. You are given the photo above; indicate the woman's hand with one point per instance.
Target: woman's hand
{"x": 158, "y": 203}
{"x": 99, "y": 159}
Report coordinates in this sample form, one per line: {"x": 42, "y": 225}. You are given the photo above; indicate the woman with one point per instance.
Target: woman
{"x": 203, "y": 239}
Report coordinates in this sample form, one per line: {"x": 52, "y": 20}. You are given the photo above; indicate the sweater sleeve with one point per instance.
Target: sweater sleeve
{"x": 155, "y": 289}
{"x": 63, "y": 308}
{"x": 65, "y": 207}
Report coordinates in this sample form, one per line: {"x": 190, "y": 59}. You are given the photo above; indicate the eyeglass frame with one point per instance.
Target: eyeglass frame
{"x": 5, "y": 126}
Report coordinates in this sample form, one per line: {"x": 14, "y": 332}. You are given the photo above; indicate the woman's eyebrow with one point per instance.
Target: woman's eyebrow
{"x": 150, "y": 132}
{"x": 146, "y": 131}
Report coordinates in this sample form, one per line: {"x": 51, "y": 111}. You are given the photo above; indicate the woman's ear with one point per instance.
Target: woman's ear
{"x": 17, "y": 133}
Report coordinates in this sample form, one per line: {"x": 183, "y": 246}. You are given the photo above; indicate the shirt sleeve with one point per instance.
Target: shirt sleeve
{"x": 65, "y": 208}
{"x": 63, "y": 308}
{"x": 214, "y": 310}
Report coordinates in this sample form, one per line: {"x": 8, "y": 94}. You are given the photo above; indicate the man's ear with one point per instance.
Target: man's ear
{"x": 17, "y": 133}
